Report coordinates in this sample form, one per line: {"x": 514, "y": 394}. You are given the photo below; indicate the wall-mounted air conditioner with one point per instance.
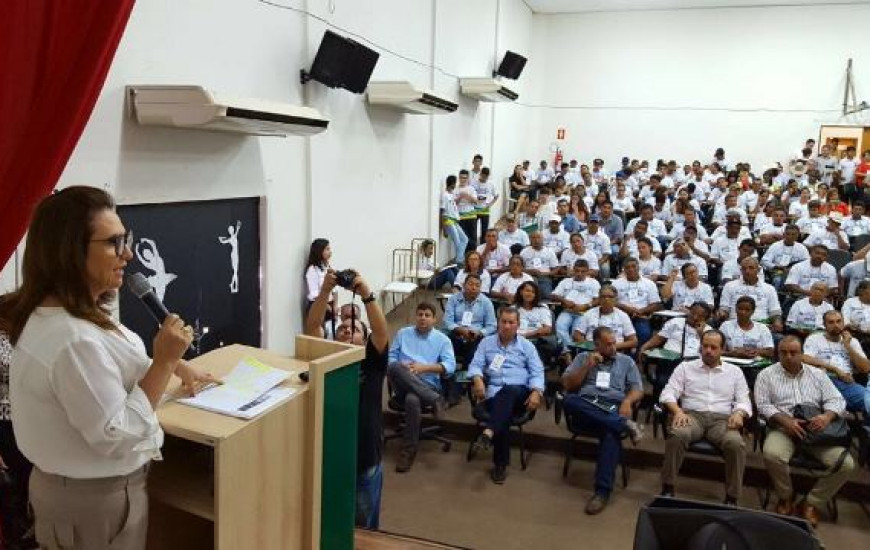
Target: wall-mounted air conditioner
{"x": 407, "y": 98}
{"x": 196, "y": 108}
{"x": 486, "y": 89}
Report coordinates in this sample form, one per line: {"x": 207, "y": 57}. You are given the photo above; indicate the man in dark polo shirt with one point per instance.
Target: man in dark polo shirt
{"x": 373, "y": 369}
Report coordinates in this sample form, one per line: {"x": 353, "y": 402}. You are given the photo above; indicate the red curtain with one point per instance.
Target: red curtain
{"x": 54, "y": 56}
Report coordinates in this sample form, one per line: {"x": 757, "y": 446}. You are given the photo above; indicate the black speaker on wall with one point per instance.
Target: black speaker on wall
{"x": 342, "y": 63}
{"x": 511, "y": 66}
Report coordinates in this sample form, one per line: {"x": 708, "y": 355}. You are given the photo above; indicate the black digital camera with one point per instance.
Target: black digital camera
{"x": 345, "y": 278}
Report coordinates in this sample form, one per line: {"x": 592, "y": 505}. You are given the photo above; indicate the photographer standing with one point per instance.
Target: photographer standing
{"x": 372, "y": 372}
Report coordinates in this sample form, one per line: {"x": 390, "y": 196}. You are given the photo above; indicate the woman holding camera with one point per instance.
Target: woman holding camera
{"x": 83, "y": 391}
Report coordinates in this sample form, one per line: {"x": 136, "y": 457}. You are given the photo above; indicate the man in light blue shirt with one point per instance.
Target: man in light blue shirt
{"x": 468, "y": 317}
{"x": 418, "y": 358}
{"x": 508, "y": 377}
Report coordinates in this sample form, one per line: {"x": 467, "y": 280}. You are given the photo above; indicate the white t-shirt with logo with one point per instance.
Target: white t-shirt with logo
{"x": 758, "y": 337}
{"x": 685, "y": 296}
{"x": 639, "y": 294}
{"x": 673, "y": 332}
{"x": 542, "y": 260}
{"x": 578, "y": 292}
{"x": 806, "y": 314}
{"x": 780, "y": 255}
{"x": 618, "y": 321}
{"x": 804, "y": 275}
{"x": 833, "y": 353}
{"x": 856, "y": 313}
{"x": 533, "y": 319}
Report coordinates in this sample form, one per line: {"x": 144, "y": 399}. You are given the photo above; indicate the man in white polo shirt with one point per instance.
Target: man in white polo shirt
{"x": 539, "y": 262}
{"x": 606, "y": 314}
{"x": 765, "y": 297}
{"x": 494, "y": 255}
{"x": 575, "y": 295}
{"x": 857, "y": 223}
{"x": 638, "y": 297}
{"x": 841, "y": 356}
{"x": 782, "y": 254}
{"x": 802, "y": 275}
{"x": 556, "y": 238}
{"x": 512, "y": 234}
{"x": 831, "y": 236}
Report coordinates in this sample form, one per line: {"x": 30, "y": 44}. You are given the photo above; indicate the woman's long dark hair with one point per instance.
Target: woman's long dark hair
{"x": 518, "y": 298}
{"x": 55, "y": 259}
{"x": 315, "y": 254}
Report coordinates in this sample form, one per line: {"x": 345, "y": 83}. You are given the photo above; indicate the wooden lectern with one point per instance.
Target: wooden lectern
{"x": 283, "y": 480}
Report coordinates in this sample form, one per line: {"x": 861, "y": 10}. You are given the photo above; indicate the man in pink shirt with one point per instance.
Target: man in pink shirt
{"x": 707, "y": 399}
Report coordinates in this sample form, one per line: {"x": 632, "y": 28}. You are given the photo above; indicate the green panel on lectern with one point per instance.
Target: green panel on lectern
{"x": 340, "y": 412}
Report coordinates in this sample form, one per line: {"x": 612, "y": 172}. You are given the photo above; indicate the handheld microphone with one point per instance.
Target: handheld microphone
{"x": 141, "y": 288}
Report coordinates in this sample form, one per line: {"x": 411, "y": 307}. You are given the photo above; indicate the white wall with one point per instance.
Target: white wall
{"x": 743, "y": 58}
{"x": 370, "y": 183}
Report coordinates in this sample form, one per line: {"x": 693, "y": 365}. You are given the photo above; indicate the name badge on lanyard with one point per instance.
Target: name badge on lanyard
{"x": 602, "y": 380}
{"x": 467, "y": 317}
{"x": 497, "y": 362}
{"x": 493, "y": 263}
{"x": 536, "y": 262}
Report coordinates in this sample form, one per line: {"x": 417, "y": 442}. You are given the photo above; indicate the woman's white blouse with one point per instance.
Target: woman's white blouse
{"x": 77, "y": 408}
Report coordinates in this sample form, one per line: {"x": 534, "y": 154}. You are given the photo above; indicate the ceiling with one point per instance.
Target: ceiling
{"x": 579, "y": 6}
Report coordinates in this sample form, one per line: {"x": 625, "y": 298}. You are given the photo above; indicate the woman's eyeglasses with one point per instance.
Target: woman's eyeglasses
{"x": 120, "y": 242}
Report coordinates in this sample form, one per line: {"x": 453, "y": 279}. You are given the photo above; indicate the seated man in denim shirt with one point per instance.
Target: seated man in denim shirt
{"x": 417, "y": 359}
{"x": 468, "y": 317}
{"x": 602, "y": 387}
{"x": 507, "y": 374}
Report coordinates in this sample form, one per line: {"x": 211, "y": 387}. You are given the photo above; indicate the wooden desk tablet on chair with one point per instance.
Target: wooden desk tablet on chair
{"x": 285, "y": 479}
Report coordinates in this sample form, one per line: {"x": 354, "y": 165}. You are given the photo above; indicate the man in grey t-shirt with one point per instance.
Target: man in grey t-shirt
{"x": 602, "y": 387}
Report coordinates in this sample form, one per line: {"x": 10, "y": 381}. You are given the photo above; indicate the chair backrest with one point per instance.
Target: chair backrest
{"x": 403, "y": 262}
{"x": 859, "y": 241}
{"x": 839, "y": 258}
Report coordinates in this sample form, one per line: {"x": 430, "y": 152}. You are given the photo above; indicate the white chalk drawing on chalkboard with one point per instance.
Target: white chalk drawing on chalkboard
{"x": 149, "y": 257}
{"x": 233, "y": 241}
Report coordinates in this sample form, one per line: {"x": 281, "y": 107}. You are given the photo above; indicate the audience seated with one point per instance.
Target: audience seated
{"x": 540, "y": 262}
{"x": 494, "y": 254}
{"x": 689, "y": 290}
{"x": 707, "y": 399}
{"x": 807, "y": 312}
{"x": 606, "y": 315}
{"x": 419, "y": 356}
{"x": 473, "y": 265}
{"x": 602, "y": 386}
{"x": 638, "y": 297}
{"x": 576, "y": 296}
{"x": 831, "y": 236}
{"x": 512, "y": 235}
{"x": 696, "y": 231}
{"x": 536, "y": 321}
{"x": 469, "y": 316}
{"x": 578, "y": 251}
{"x": 803, "y": 274}
{"x": 507, "y": 376}
{"x": 778, "y": 390}
{"x": 766, "y": 301}
{"x": 786, "y": 252}
{"x": 505, "y": 287}
{"x": 841, "y": 356}
{"x": 856, "y": 310}
{"x": 745, "y": 338}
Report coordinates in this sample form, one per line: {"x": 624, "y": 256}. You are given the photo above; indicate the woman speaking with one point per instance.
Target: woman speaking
{"x": 82, "y": 389}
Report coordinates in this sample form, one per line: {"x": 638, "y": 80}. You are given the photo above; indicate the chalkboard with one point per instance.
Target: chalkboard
{"x": 203, "y": 260}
